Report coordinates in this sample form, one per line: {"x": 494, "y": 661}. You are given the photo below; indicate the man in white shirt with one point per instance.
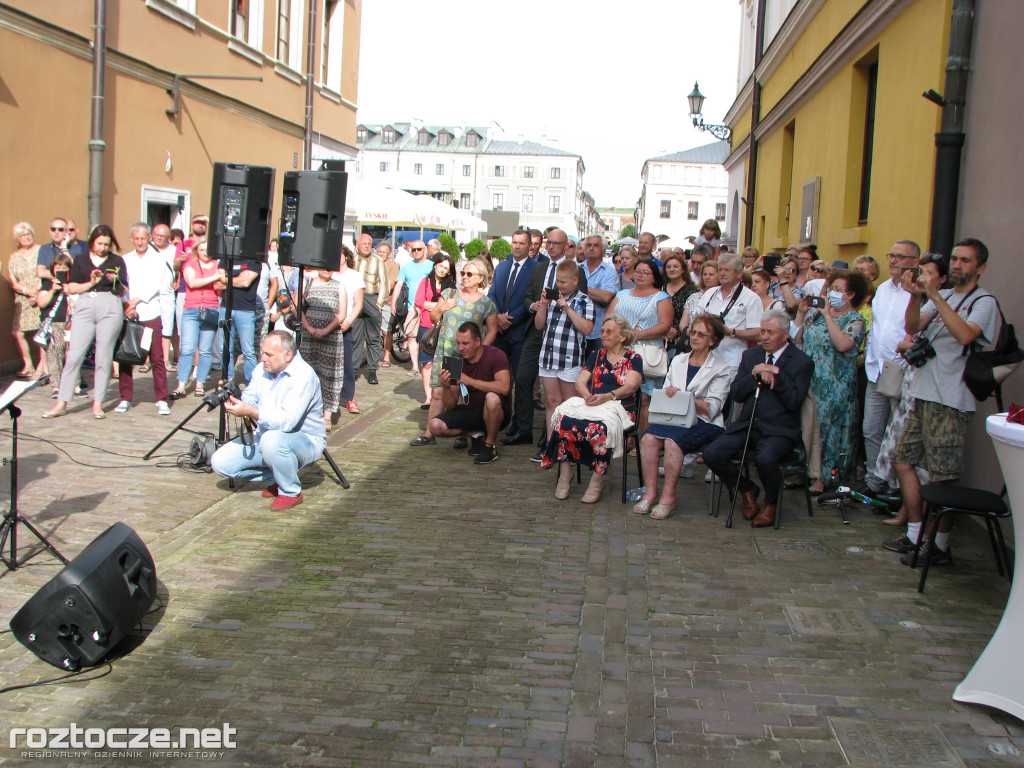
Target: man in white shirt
{"x": 737, "y": 306}
{"x": 161, "y": 243}
{"x": 146, "y": 269}
{"x": 886, "y": 339}
{"x": 402, "y": 254}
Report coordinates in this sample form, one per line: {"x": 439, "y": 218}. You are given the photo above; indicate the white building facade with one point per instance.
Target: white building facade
{"x": 476, "y": 169}
{"x": 683, "y": 190}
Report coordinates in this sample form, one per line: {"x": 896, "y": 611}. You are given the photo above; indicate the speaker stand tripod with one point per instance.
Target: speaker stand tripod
{"x": 12, "y": 519}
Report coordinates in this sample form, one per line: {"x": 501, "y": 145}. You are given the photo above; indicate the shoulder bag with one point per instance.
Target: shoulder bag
{"x": 985, "y": 371}
{"x": 133, "y": 344}
{"x": 677, "y": 411}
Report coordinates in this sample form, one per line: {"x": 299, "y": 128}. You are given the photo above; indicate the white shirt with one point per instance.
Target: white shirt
{"x": 888, "y": 313}
{"x": 145, "y": 278}
{"x": 290, "y": 401}
{"x": 351, "y": 281}
{"x": 402, "y": 256}
{"x": 744, "y": 315}
{"x": 167, "y": 253}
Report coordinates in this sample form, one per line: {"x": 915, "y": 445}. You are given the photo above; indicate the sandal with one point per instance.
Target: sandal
{"x": 422, "y": 440}
{"x": 385, "y": 363}
{"x": 144, "y": 368}
{"x": 460, "y": 444}
{"x": 661, "y": 511}
{"x": 594, "y": 490}
{"x": 200, "y": 391}
{"x": 643, "y": 507}
{"x": 564, "y": 481}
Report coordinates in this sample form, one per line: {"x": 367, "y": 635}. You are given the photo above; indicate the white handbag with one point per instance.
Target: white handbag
{"x": 890, "y": 380}
{"x": 655, "y": 360}
{"x": 678, "y": 410}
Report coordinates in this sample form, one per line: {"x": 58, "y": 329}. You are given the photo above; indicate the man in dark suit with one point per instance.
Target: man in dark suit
{"x": 543, "y": 276}
{"x": 508, "y": 289}
{"x": 783, "y": 374}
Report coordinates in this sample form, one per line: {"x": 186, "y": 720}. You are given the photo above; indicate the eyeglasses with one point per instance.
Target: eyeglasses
{"x": 414, "y": 250}
{"x": 645, "y": 273}
{"x": 699, "y": 334}
{"x": 557, "y": 242}
{"x": 58, "y": 229}
{"x": 465, "y": 273}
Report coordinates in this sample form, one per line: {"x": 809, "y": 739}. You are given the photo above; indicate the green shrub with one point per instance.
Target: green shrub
{"x": 473, "y": 247}
{"x": 449, "y": 246}
{"x": 628, "y": 230}
{"x": 500, "y": 249}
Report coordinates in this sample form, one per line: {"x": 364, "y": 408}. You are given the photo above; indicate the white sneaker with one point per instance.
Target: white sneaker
{"x": 163, "y": 408}
{"x": 123, "y": 406}
{"x": 709, "y": 476}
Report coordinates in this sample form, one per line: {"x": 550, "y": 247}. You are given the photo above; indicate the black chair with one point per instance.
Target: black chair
{"x": 941, "y": 500}
{"x": 628, "y": 435}
{"x": 794, "y": 463}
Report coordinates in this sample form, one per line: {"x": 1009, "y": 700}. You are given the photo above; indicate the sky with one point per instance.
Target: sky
{"x": 604, "y": 79}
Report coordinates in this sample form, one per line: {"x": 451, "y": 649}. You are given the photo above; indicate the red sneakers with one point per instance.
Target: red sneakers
{"x": 270, "y": 491}
{"x": 285, "y": 502}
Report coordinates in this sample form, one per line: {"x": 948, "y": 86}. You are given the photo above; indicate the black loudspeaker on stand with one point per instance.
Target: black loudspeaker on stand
{"x": 312, "y": 219}
{"x": 240, "y": 211}
{"x": 83, "y": 612}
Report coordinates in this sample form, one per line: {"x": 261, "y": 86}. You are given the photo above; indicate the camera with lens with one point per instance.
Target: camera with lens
{"x": 920, "y": 353}
{"x": 817, "y": 302}
{"x": 222, "y": 394}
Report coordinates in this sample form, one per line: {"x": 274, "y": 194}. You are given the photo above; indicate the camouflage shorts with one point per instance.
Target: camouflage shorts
{"x": 933, "y": 438}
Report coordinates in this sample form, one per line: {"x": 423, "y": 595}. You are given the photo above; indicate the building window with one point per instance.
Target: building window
{"x": 383, "y": 167}
{"x": 554, "y": 203}
{"x": 389, "y": 136}
{"x": 556, "y": 173}
{"x": 869, "y": 144}
{"x": 467, "y": 170}
{"x": 361, "y": 135}
{"x": 283, "y": 29}
{"x": 499, "y": 170}
{"x": 464, "y": 201}
{"x": 439, "y": 169}
{"x": 666, "y": 209}
{"x": 423, "y": 139}
{"x": 417, "y": 168}
{"x": 472, "y": 139}
{"x": 444, "y": 139}
{"x": 528, "y": 172}
{"x": 527, "y": 206}
{"x": 497, "y": 201}
{"x": 692, "y": 208}
{"x": 719, "y": 211}
{"x": 239, "y": 18}
{"x": 331, "y": 42}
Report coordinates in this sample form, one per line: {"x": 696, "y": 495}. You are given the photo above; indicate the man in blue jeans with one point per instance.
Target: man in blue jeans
{"x": 284, "y": 404}
{"x": 244, "y": 298}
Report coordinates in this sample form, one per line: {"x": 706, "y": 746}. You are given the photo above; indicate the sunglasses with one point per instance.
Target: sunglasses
{"x": 465, "y": 273}
{"x": 415, "y": 250}
{"x": 58, "y": 229}
{"x": 817, "y": 269}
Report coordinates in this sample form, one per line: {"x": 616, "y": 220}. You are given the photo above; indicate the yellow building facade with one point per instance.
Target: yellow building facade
{"x": 840, "y": 90}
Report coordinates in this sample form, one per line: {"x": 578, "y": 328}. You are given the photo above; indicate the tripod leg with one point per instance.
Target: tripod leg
{"x": 341, "y": 477}
{"x": 168, "y": 436}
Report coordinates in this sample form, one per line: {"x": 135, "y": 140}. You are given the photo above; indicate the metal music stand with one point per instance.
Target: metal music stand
{"x": 9, "y": 527}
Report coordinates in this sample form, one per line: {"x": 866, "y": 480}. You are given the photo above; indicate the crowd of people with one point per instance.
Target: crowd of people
{"x": 742, "y": 351}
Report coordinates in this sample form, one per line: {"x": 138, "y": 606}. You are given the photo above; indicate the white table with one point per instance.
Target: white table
{"x": 997, "y": 678}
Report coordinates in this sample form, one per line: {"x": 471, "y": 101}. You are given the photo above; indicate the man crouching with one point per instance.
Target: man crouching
{"x": 284, "y": 403}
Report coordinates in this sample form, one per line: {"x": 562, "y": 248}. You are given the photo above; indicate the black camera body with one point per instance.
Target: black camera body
{"x": 817, "y": 302}
{"x": 551, "y": 294}
{"x": 222, "y": 394}
{"x": 920, "y": 353}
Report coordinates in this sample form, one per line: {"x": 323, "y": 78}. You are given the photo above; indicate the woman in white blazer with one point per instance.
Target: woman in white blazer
{"x": 708, "y": 378}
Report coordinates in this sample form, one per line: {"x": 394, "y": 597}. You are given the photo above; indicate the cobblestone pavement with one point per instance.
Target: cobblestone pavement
{"x": 439, "y": 613}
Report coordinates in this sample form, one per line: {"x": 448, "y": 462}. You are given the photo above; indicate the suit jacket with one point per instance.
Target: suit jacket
{"x": 516, "y": 308}
{"x": 536, "y": 288}
{"x": 710, "y": 383}
{"x": 778, "y": 409}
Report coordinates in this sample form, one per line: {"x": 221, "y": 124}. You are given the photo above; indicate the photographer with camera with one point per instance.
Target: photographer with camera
{"x": 284, "y": 403}
{"x": 949, "y": 321}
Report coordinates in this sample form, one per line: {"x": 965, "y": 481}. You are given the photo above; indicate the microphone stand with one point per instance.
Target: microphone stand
{"x": 743, "y": 457}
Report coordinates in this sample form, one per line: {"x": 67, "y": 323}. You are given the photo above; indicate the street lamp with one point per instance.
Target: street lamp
{"x": 696, "y": 99}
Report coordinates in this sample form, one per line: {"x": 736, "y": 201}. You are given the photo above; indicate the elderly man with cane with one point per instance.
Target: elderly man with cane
{"x": 772, "y": 382}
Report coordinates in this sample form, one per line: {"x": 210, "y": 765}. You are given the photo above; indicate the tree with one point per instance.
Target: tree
{"x": 628, "y": 230}
{"x": 449, "y": 246}
{"x": 500, "y": 248}
{"x": 473, "y": 247}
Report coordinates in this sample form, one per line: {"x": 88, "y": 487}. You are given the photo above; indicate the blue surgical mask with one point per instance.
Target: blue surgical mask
{"x": 835, "y": 298}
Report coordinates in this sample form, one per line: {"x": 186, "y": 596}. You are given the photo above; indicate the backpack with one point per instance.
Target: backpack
{"x": 402, "y": 303}
{"x": 985, "y": 371}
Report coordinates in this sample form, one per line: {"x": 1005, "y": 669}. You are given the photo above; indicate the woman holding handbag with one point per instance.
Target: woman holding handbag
{"x": 441, "y": 279}
{"x": 198, "y": 318}
{"x": 702, "y": 375}
{"x": 648, "y": 310}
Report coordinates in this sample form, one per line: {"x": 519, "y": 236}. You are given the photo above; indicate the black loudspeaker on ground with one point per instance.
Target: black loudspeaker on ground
{"x": 240, "y": 211}
{"x": 84, "y": 611}
{"x": 312, "y": 218}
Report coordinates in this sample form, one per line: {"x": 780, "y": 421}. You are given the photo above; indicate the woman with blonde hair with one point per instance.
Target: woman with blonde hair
{"x": 21, "y": 273}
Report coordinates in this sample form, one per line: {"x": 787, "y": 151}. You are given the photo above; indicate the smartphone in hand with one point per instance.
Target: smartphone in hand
{"x": 551, "y": 294}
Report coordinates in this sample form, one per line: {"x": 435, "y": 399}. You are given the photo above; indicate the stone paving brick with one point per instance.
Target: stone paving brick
{"x": 440, "y": 613}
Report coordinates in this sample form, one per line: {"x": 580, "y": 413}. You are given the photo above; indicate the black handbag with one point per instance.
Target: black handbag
{"x": 209, "y": 317}
{"x": 132, "y": 345}
{"x": 429, "y": 341}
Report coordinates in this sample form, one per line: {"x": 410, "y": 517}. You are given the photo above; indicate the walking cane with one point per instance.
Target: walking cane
{"x": 743, "y": 456}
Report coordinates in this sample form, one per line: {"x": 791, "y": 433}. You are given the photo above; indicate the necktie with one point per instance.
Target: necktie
{"x": 511, "y": 284}
{"x": 552, "y": 268}
{"x": 771, "y": 359}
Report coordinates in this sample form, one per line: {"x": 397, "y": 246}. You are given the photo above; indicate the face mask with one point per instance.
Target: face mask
{"x": 835, "y": 298}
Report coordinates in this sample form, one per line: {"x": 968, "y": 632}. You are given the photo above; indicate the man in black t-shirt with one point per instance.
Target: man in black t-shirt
{"x": 477, "y": 402}
{"x": 244, "y": 284}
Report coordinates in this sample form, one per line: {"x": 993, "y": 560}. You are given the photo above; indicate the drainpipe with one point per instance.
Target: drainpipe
{"x": 96, "y": 143}
{"x": 755, "y": 119}
{"x": 949, "y": 141}
{"x": 307, "y": 137}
